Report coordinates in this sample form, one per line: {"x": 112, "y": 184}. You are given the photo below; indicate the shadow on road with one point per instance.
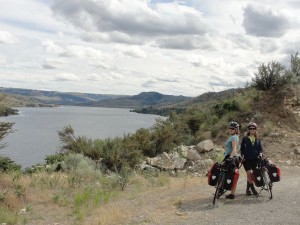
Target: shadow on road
{"x": 204, "y": 204}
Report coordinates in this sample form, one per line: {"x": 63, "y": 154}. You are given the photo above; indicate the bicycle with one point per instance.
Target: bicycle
{"x": 225, "y": 168}
{"x": 266, "y": 183}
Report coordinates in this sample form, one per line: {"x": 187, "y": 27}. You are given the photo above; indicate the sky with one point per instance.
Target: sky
{"x": 183, "y": 47}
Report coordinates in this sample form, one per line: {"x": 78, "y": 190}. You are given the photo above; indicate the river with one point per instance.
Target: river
{"x": 36, "y": 129}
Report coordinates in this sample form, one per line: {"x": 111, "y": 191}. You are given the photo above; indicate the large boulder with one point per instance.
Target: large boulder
{"x": 193, "y": 155}
{"x": 179, "y": 162}
{"x": 166, "y": 162}
{"x": 205, "y": 146}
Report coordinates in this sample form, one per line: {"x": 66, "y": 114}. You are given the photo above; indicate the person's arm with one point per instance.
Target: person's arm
{"x": 260, "y": 149}
{"x": 242, "y": 147}
{"x": 233, "y": 152}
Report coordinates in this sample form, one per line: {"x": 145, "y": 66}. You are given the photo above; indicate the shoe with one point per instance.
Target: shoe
{"x": 230, "y": 196}
{"x": 248, "y": 192}
{"x": 253, "y": 189}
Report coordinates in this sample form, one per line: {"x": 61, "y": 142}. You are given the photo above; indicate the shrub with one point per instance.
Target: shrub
{"x": 269, "y": 76}
{"x": 8, "y": 165}
{"x": 225, "y": 106}
{"x": 53, "y": 159}
{"x": 82, "y": 167}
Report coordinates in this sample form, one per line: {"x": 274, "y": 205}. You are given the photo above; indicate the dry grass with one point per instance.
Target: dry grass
{"x": 49, "y": 199}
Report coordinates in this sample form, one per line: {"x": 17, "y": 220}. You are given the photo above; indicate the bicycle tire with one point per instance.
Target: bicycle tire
{"x": 218, "y": 188}
{"x": 268, "y": 183}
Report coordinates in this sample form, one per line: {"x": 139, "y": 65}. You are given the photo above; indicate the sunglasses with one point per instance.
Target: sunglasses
{"x": 231, "y": 128}
{"x": 252, "y": 128}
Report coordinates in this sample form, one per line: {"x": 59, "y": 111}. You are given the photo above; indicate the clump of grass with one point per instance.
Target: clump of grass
{"x": 268, "y": 126}
{"x": 7, "y": 216}
{"x": 178, "y": 202}
{"x": 258, "y": 116}
{"x": 159, "y": 181}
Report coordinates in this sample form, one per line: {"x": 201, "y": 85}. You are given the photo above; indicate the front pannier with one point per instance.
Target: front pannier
{"x": 231, "y": 178}
{"x": 257, "y": 178}
{"x": 274, "y": 173}
{"x": 213, "y": 174}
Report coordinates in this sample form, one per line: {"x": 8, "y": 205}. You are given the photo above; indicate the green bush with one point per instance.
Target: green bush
{"x": 225, "y": 106}
{"x": 53, "y": 159}
{"x": 269, "y": 76}
{"x": 8, "y": 165}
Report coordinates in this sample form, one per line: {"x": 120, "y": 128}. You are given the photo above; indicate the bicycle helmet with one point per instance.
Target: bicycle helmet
{"x": 234, "y": 125}
{"x": 252, "y": 124}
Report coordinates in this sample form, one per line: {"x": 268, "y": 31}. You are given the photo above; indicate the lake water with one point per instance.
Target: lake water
{"x": 36, "y": 129}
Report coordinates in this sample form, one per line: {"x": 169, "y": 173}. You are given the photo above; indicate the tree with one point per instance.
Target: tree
{"x": 269, "y": 76}
{"x": 295, "y": 65}
{"x": 5, "y": 127}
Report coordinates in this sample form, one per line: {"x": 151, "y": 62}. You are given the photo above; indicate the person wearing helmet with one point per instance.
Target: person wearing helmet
{"x": 251, "y": 149}
{"x": 231, "y": 146}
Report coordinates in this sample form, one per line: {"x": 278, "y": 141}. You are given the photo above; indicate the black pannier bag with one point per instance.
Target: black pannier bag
{"x": 213, "y": 174}
{"x": 274, "y": 173}
{"x": 231, "y": 178}
{"x": 257, "y": 178}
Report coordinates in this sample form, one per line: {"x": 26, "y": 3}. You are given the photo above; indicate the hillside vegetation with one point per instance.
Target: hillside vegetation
{"x": 81, "y": 183}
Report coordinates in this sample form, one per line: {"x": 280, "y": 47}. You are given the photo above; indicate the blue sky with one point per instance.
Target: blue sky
{"x": 129, "y": 46}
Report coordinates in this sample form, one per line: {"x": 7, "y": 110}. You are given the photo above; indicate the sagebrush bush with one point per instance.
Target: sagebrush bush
{"x": 81, "y": 166}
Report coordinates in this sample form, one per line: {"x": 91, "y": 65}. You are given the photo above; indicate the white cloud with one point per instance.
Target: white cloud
{"x": 65, "y": 77}
{"x": 52, "y": 48}
{"x": 76, "y": 51}
{"x": 133, "y": 51}
{"x": 6, "y": 37}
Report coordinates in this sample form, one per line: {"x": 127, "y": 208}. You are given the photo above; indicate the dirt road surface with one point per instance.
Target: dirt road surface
{"x": 284, "y": 208}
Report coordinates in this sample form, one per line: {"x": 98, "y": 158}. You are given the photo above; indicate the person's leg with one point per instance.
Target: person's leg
{"x": 251, "y": 176}
{"x": 248, "y": 164}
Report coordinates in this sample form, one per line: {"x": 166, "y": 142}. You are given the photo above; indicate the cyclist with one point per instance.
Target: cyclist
{"x": 251, "y": 149}
{"x": 231, "y": 146}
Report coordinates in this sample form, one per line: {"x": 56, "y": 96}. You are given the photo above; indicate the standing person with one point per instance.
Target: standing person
{"x": 231, "y": 146}
{"x": 251, "y": 149}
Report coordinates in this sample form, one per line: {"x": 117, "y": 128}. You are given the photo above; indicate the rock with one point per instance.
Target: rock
{"x": 293, "y": 145}
{"x": 153, "y": 161}
{"x": 205, "y": 146}
{"x": 289, "y": 162}
{"x": 182, "y": 150}
{"x": 165, "y": 162}
{"x": 297, "y": 150}
{"x": 193, "y": 155}
{"x": 218, "y": 149}
{"x": 179, "y": 162}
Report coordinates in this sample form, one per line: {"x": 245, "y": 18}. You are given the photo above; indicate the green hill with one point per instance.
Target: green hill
{"x": 144, "y": 99}
{"x": 54, "y": 97}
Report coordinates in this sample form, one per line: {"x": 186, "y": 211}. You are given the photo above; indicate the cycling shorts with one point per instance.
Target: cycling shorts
{"x": 250, "y": 164}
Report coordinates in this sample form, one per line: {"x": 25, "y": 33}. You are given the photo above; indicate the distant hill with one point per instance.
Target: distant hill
{"x": 28, "y": 97}
{"x": 53, "y": 97}
{"x": 144, "y": 99}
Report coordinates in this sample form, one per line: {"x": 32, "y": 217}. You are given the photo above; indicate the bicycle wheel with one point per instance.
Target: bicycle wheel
{"x": 268, "y": 183}
{"x": 218, "y": 188}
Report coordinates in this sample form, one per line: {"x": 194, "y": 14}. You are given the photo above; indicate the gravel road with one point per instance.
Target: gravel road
{"x": 283, "y": 209}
